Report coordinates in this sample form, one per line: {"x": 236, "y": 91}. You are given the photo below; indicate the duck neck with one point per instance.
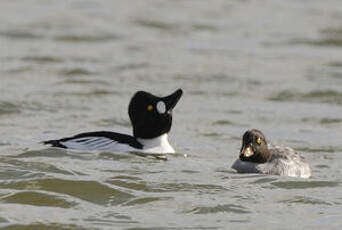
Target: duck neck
{"x": 267, "y": 155}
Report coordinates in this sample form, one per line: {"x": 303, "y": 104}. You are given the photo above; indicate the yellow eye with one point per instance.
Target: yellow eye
{"x": 149, "y": 108}
{"x": 259, "y": 141}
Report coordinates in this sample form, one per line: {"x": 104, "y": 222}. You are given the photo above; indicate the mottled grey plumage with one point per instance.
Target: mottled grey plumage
{"x": 285, "y": 161}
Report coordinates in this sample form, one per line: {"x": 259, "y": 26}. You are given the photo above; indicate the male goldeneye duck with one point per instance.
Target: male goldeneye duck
{"x": 256, "y": 156}
{"x": 151, "y": 118}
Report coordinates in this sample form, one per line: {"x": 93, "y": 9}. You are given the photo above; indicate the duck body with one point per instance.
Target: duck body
{"x": 285, "y": 161}
{"x": 151, "y": 118}
{"x": 276, "y": 160}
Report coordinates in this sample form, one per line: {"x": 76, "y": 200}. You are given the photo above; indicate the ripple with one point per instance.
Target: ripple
{"x": 16, "y": 34}
{"x": 91, "y": 93}
{"x": 145, "y": 200}
{"x": 317, "y": 96}
{"x": 205, "y": 27}
{"x": 335, "y": 64}
{"x": 132, "y": 156}
{"x": 321, "y": 149}
{"x": 113, "y": 122}
{"x": 155, "y": 156}
{"x": 3, "y": 220}
{"x": 4, "y": 143}
{"x": 41, "y": 226}
{"x": 305, "y": 184}
{"x": 8, "y": 108}
{"x": 330, "y": 120}
{"x": 234, "y": 111}
{"x": 50, "y": 152}
{"x": 97, "y": 92}
{"x": 327, "y": 41}
{"x": 212, "y": 134}
{"x": 125, "y": 177}
{"x": 35, "y": 167}
{"x": 197, "y": 92}
{"x": 305, "y": 200}
{"x": 174, "y": 187}
{"x": 229, "y": 208}
{"x": 174, "y": 228}
{"x": 131, "y": 66}
{"x": 53, "y": 152}
{"x": 87, "y": 38}
{"x": 329, "y": 37}
{"x": 122, "y": 219}
{"x": 12, "y": 173}
{"x": 138, "y": 186}
{"x": 190, "y": 171}
{"x": 20, "y": 69}
{"x": 322, "y": 166}
{"x": 223, "y": 122}
{"x": 75, "y": 71}
{"x": 85, "y": 82}
{"x": 91, "y": 191}
{"x": 220, "y": 77}
{"x": 37, "y": 199}
{"x": 114, "y": 156}
{"x": 165, "y": 187}
{"x": 159, "y": 25}
{"x": 42, "y": 59}
{"x": 322, "y": 121}
{"x": 264, "y": 180}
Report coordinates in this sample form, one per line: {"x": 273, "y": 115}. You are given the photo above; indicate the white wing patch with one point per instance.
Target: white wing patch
{"x": 96, "y": 144}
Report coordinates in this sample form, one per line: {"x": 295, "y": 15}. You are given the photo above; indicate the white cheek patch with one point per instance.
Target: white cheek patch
{"x": 161, "y": 107}
{"x": 248, "y": 152}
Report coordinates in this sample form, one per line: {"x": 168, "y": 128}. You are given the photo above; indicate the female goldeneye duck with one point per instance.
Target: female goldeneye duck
{"x": 256, "y": 156}
{"x": 151, "y": 118}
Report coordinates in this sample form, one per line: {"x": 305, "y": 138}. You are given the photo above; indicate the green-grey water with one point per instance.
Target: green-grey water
{"x": 70, "y": 66}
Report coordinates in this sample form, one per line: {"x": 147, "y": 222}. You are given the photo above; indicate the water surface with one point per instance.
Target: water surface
{"x": 72, "y": 66}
